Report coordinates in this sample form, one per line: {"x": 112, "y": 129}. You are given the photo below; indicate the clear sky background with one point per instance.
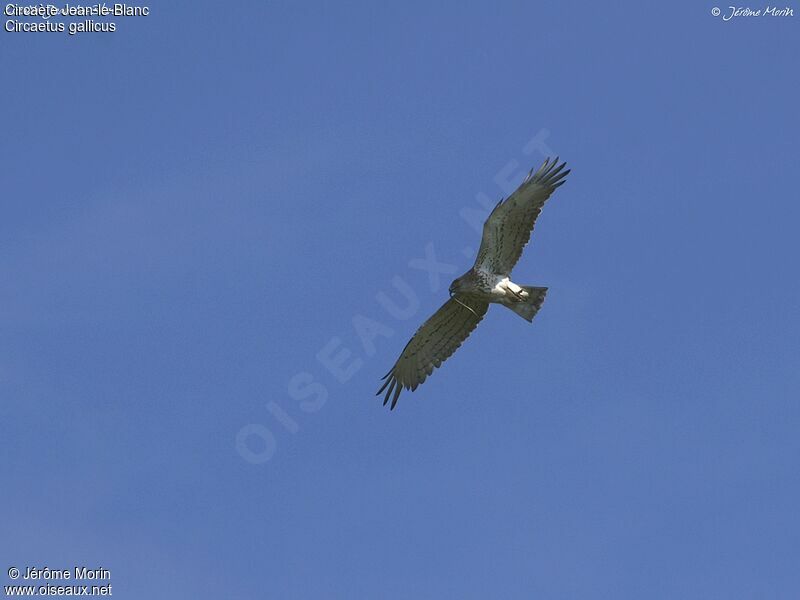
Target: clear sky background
{"x": 199, "y": 204}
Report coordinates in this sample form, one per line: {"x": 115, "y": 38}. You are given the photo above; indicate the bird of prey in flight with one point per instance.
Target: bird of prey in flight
{"x": 505, "y": 234}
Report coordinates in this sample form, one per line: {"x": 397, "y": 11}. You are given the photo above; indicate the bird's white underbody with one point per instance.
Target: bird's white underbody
{"x": 504, "y": 291}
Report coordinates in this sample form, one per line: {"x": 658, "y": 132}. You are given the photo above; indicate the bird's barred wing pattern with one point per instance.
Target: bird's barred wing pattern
{"x": 509, "y": 226}
{"x": 432, "y": 344}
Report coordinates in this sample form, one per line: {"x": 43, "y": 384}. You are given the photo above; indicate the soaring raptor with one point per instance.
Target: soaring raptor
{"x": 505, "y": 234}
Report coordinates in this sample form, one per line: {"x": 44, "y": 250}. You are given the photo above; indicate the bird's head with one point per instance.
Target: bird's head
{"x": 462, "y": 285}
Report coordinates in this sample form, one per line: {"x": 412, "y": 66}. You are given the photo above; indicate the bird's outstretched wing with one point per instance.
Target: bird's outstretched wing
{"x": 432, "y": 344}
{"x": 509, "y": 226}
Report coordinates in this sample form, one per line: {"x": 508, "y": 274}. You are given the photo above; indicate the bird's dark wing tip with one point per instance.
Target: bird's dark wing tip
{"x": 393, "y": 389}
{"x": 392, "y": 383}
{"x": 396, "y": 395}
{"x": 385, "y": 383}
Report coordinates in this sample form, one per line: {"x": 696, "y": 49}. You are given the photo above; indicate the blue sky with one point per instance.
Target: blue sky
{"x": 198, "y": 205}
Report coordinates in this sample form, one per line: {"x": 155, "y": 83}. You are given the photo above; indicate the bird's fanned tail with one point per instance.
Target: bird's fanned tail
{"x": 528, "y": 308}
